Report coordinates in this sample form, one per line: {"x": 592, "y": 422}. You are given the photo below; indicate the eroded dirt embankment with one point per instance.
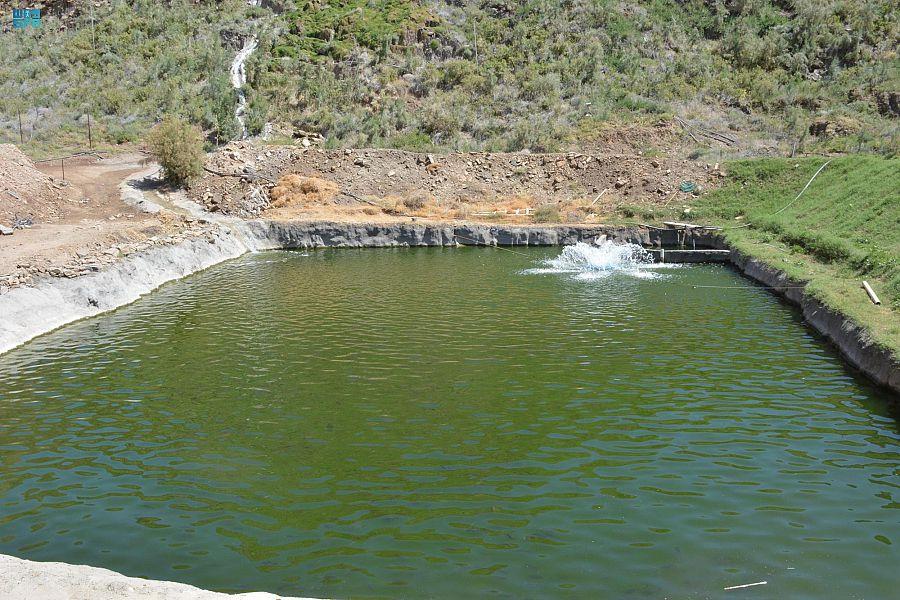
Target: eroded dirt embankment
{"x": 580, "y": 187}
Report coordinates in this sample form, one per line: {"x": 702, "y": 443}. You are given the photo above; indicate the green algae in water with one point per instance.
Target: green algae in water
{"x": 445, "y": 423}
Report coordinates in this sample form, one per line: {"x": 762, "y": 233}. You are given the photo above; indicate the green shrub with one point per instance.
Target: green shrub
{"x": 536, "y": 134}
{"x": 178, "y": 146}
{"x": 413, "y": 141}
{"x": 442, "y": 118}
{"x": 122, "y": 134}
{"x": 628, "y": 211}
{"x": 547, "y": 213}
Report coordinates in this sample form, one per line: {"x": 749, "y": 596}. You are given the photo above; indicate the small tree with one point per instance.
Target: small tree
{"x": 178, "y": 146}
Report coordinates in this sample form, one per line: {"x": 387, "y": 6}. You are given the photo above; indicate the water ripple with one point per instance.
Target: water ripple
{"x": 443, "y": 423}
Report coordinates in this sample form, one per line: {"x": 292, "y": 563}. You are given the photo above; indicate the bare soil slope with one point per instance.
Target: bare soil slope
{"x": 576, "y": 187}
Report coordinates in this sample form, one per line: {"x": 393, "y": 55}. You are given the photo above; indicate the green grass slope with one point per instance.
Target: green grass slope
{"x": 844, "y": 228}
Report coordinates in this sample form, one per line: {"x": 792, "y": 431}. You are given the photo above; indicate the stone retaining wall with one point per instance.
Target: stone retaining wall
{"x": 375, "y": 235}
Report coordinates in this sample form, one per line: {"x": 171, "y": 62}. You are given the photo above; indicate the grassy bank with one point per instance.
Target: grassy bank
{"x": 844, "y": 228}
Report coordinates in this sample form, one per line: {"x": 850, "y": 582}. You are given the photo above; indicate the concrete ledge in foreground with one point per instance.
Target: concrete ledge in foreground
{"x": 27, "y": 580}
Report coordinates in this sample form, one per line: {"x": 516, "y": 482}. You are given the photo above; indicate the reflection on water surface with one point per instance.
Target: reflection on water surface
{"x": 447, "y": 423}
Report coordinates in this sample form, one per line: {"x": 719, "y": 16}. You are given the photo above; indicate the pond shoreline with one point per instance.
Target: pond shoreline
{"x": 854, "y": 344}
{"x": 28, "y": 312}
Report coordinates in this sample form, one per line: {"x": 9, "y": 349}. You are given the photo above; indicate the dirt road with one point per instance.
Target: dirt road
{"x": 90, "y": 225}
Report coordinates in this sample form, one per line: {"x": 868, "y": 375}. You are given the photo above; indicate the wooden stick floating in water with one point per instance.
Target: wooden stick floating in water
{"x": 746, "y": 585}
{"x": 871, "y": 292}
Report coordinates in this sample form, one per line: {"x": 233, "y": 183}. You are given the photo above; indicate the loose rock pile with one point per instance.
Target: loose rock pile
{"x": 26, "y": 195}
{"x": 246, "y": 174}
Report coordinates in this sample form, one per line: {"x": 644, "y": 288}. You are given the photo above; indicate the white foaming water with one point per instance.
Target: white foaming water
{"x": 239, "y": 78}
{"x": 595, "y": 262}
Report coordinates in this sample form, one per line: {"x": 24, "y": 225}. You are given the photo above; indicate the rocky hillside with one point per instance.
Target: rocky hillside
{"x": 772, "y": 76}
{"x": 27, "y": 196}
{"x": 570, "y": 187}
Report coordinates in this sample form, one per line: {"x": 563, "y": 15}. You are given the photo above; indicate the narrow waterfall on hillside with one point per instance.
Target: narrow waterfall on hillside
{"x": 239, "y": 78}
{"x": 239, "y": 75}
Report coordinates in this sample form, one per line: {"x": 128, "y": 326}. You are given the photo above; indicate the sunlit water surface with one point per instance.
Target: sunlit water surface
{"x": 453, "y": 423}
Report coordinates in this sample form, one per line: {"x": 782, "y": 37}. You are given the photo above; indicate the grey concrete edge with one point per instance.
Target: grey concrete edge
{"x": 22, "y": 579}
{"x": 27, "y": 312}
{"x": 852, "y": 340}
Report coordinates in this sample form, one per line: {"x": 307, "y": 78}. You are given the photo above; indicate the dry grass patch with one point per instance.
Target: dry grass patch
{"x": 512, "y": 209}
{"x": 296, "y": 190}
{"x": 524, "y": 209}
{"x": 417, "y": 203}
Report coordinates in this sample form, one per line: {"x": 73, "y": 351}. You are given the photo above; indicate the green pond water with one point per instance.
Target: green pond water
{"x": 446, "y": 423}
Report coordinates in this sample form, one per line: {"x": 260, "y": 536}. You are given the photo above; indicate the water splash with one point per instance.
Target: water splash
{"x": 589, "y": 261}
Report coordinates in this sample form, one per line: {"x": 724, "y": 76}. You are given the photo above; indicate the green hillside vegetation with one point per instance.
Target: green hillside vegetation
{"x": 488, "y": 74}
{"x": 544, "y": 75}
{"x": 139, "y": 61}
{"x": 844, "y": 228}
